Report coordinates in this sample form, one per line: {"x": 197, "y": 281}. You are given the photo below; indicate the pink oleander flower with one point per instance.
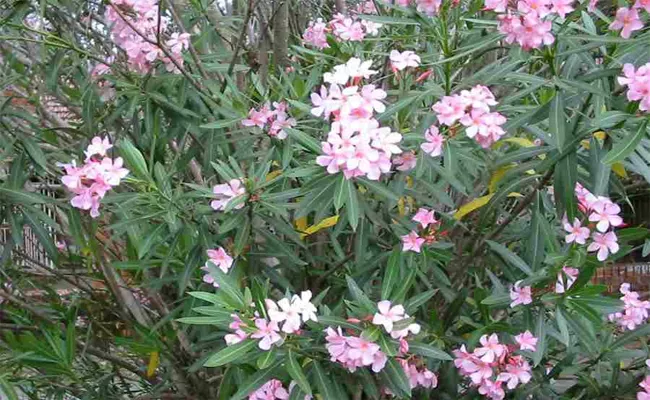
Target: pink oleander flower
{"x": 434, "y": 141}
{"x": 292, "y": 384}
{"x": 387, "y": 315}
{"x": 627, "y": 21}
{"x": 499, "y": 6}
{"x": 271, "y": 390}
{"x": 592, "y": 5}
{"x": 645, "y": 4}
{"x": 577, "y": 233}
{"x": 534, "y": 32}
{"x": 606, "y": 214}
{"x": 362, "y": 350}
{"x": 635, "y": 311}
{"x": 429, "y": 7}
{"x": 234, "y": 338}
{"x": 372, "y": 96}
{"x": 219, "y": 258}
{"x": 178, "y": 42}
{"x": 401, "y": 61}
{"x": 371, "y": 28}
{"x": 492, "y": 350}
{"x": 316, "y": 34}
{"x": 517, "y": 371}
{"x": 604, "y": 243}
{"x": 638, "y": 84}
{"x": 405, "y": 161}
{"x": 267, "y": 331}
{"x": 492, "y": 390}
{"x": 450, "y": 109}
{"x": 535, "y": 8}
{"x": 562, "y": 7}
{"x": 520, "y": 295}
{"x": 349, "y": 30}
{"x": 526, "y": 341}
{"x": 412, "y": 242}
{"x": 425, "y": 217}
{"x": 226, "y": 192}
{"x": 571, "y": 274}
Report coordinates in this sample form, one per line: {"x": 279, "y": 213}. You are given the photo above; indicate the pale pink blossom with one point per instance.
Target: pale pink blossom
{"x": 316, "y": 34}
{"x": 434, "y": 141}
{"x": 226, "y": 192}
{"x": 401, "y": 61}
{"x": 606, "y": 214}
{"x": 286, "y": 312}
{"x": 267, "y": 331}
{"x": 526, "y": 341}
{"x": 429, "y": 7}
{"x": 98, "y": 147}
{"x": 627, "y": 21}
{"x": 405, "y": 161}
{"x": 271, "y": 390}
{"x": 604, "y": 244}
{"x": 577, "y": 233}
{"x": 412, "y": 242}
{"x": 517, "y": 371}
{"x": 635, "y": 311}
{"x": 638, "y": 84}
{"x": 491, "y": 389}
{"x": 562, "y": 7}
{"x": 412, "y": 328}
{"x": 425, "y": 217}
{"x": 221, "y": 260}
{"x": 520, "y": 295}
{"x": 499, "y": 6}
{"x": 645, "y": 4}
{"x": 387, "y": 315}
{"x": 450, "y": 109}
{"x": 535, "y": 8}
{"x": 491, "y": 350}
{"x": 304, "y": 305}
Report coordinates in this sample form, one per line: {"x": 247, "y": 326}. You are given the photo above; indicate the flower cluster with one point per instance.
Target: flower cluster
{"x": 429, "y": 7}
{"x": 140, "y": 46}
{"x": 271, "y": 390}
{"x": 344, "y": 28}
{"x": 602, "y": 211}
{"x": 492, "y": 364}
{"x": 565, "y": 279}
{"x": 472, "y": 109}
{"x": 277, "y": 119}
{"x": 388, "y": 315}
{"x": 354, "y": 352}
{"x": 220, "y": 259}
{"x": 356, "y": 144}
{"x": 433, "y": 141}
{"x": 635, "y": 311}
{"x": 413, "y": 241}
{"x": 529, "y": 24}
{"x": 638, "y": 84}
{"x": 91, "y": 181}
{"x": 226, "y": 192}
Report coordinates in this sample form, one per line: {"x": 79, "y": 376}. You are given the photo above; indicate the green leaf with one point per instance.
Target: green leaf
{"x": 566, "y": 172}
{"x": 227, "y": 286}
{"x": 380, "y": 189}
{"x": 213, "y": 320}
{"x": 221, "y": 124}
{"x": 562, "y": 326}
{"x": 322, "y": 382}
{"x": 557, "y": 121}
{"x": 625, "y": 146}
{"x": 419, "y": 299}
{"x": 333, "y": 321}
{"x": 134, "y": 159}
{"x": 359, "y": 296}
{"x": 497, "y": 300}
{"x": 629, "y": 336}
{"x": 609, "y": 119}
{"x": 341, "y": 192}
{"x": 295, "y": 371}
{"x": 255, "y": 381}
{"x": 7, "y": 389}
{"x": 230, "y": 354}
{"x": 304, "y": 139}
{"x": 353, "y": 209}
{"x": 391, "y": 275}
{"x": 583, "y": 334}
{"x": 428, "y": 351}
{"x": 209, "y": 297}
{"x": 394, "y": 377}
{"x": 22, "y": 197}
{"x": 510, "y": 257}
{"x": 540, "y": 334}
{"x": 35, "y": 152}
{"x": 267, "y": 358}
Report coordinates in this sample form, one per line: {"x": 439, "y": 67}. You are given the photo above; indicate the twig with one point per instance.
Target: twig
{"x": 333, "y": 270}
{"x": 240, "y": 41}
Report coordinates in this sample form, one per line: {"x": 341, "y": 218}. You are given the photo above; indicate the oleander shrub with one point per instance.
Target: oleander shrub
{"x": 275, "y": 200}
